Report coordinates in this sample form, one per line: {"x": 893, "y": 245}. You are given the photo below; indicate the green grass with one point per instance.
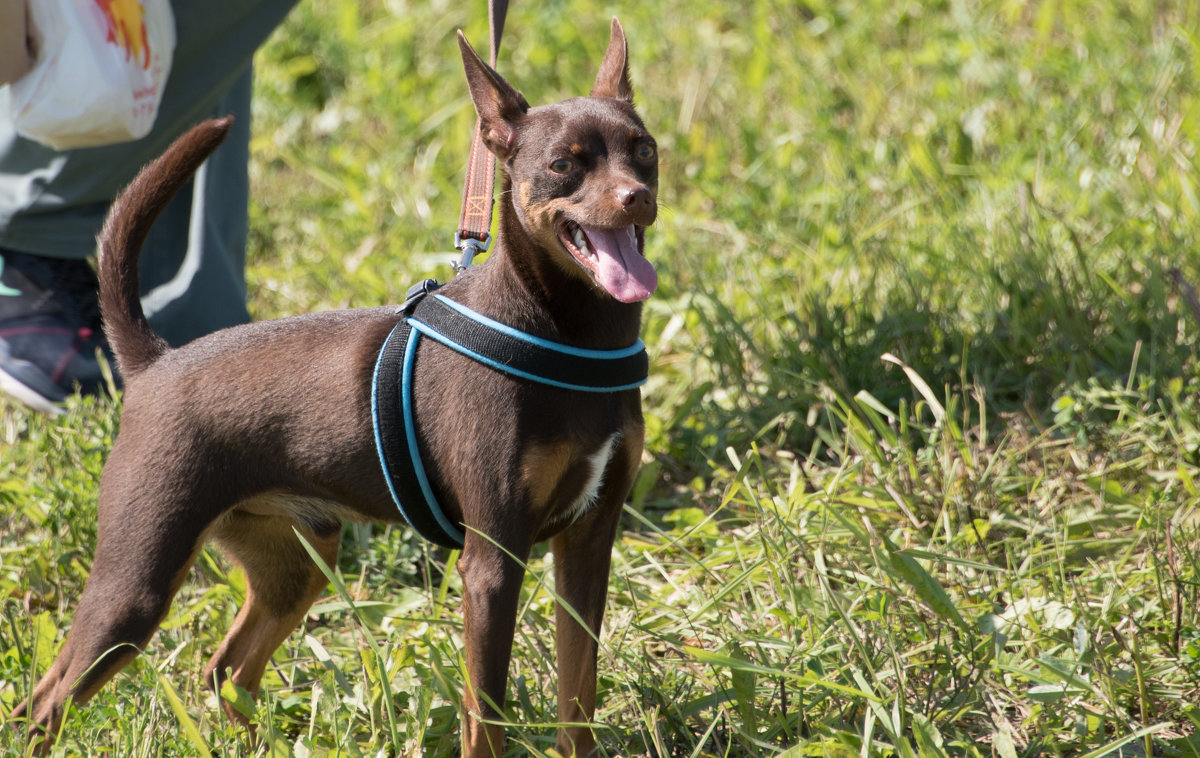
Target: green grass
{"x": 985, "y": 546}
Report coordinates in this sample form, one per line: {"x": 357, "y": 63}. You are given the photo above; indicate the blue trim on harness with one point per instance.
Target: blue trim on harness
{"x": 558, "y": 347}
{"x": 376, "y": 425}
{"x": 492, "y": 343}
{"x": 410, "y": 429}
{"x": 410, "y": 352}
{"x": 437, "y": 336}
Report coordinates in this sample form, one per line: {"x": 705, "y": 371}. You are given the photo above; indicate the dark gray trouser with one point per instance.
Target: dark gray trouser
{"x": 52, "y": 203}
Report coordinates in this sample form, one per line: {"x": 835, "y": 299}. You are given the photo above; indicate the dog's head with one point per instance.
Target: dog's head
{"x": 584, "y": 172}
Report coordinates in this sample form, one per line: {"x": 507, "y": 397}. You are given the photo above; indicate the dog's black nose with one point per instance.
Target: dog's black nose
{"x": 634, "y": 197}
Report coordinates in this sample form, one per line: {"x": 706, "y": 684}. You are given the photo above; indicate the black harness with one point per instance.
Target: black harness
{"x": 495, "y": 345}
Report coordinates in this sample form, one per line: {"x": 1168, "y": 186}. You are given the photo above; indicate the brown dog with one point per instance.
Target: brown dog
{"x": 243, "y": 435}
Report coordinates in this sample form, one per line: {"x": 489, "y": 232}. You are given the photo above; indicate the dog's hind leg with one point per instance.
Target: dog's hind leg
{"x": 139, "y": 565}
{"x": 282, "y": 582}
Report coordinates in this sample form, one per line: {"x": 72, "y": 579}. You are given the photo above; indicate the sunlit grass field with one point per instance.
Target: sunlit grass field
{"x": 923, "y": 448}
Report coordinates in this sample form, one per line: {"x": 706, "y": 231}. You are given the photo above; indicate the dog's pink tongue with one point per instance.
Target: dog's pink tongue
{"x": 620, "y": 268}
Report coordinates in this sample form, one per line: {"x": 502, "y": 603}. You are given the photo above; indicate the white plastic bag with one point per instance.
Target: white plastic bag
{"x": 99, "y": 73}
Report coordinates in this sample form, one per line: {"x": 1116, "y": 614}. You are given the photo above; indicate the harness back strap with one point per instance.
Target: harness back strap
{"x": 495, "y": 345}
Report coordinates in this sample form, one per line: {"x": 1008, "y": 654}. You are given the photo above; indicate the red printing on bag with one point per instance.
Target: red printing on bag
{"x": 126, "y": 28}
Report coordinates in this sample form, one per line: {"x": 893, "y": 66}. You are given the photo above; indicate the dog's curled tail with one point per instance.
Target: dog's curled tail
{"x": 134, "y": 342}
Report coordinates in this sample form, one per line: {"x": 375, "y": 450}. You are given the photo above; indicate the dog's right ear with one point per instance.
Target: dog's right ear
{"x": 498, "y": 104}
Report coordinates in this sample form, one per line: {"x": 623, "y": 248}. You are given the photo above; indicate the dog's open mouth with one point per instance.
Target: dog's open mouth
{"x": 614, "y": 258}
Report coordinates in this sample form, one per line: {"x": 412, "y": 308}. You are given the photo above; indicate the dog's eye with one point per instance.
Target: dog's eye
{"x": 645, "y": 152}
{"x": 562, "y": 166}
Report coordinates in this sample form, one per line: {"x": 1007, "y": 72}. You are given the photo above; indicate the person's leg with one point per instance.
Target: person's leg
{"x": 52, "y": 204}
{"x": 192, "y": 280}
{"x": 193, "y": 268}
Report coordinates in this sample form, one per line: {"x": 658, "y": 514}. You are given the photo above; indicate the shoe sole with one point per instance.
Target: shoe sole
{"x": 18, "y": 390}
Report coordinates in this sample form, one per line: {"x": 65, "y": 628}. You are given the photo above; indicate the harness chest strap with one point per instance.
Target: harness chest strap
{"x": 495, "y": 345}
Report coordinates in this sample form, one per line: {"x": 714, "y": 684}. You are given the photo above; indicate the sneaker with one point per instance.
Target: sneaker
{"x": 50, "y": 336}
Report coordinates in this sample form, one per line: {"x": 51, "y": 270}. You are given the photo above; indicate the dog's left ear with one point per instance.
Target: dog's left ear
{"x": 498, "y": 104}
{"x": 613, "y": 79}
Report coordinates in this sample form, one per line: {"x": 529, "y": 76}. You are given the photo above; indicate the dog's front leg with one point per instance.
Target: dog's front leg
{"x": 581, "y": 562}
{"x": 582, "y": 556}
{"x": 491, "y": 590}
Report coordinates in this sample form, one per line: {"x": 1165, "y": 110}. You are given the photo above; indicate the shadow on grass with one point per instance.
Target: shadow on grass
{"x": 1046, "y": 332}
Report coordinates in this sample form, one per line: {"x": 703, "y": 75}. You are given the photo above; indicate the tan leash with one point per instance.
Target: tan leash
{"x": 475, "y": 222}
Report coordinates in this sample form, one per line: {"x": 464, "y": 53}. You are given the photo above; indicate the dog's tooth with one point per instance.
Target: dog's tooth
{"x": 581, "y": 241}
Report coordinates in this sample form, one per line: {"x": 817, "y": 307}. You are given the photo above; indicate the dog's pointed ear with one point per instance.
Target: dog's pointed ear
{"x": 613, "y": 79}
{"x": 498, "y": 104}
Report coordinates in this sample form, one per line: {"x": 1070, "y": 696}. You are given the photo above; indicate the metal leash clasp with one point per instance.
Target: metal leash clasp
{"x": 469, "y": 247}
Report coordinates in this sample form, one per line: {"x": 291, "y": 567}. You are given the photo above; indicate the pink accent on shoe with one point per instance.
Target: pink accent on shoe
{"x": 60, "y": 369}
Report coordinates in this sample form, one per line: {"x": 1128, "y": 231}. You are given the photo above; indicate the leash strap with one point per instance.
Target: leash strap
{"x": 496, "y": 345}
{"x": 475, "y": 222}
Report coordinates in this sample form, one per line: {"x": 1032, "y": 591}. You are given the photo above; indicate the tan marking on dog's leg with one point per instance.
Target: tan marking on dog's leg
{"x": 282, "y": 582}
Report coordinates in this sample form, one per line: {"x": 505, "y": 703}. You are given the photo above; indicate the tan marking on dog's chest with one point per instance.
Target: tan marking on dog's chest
{"x": 542, "y": 467}
{"x": 564, "y": 479}
{"x": 598, "y": 463}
